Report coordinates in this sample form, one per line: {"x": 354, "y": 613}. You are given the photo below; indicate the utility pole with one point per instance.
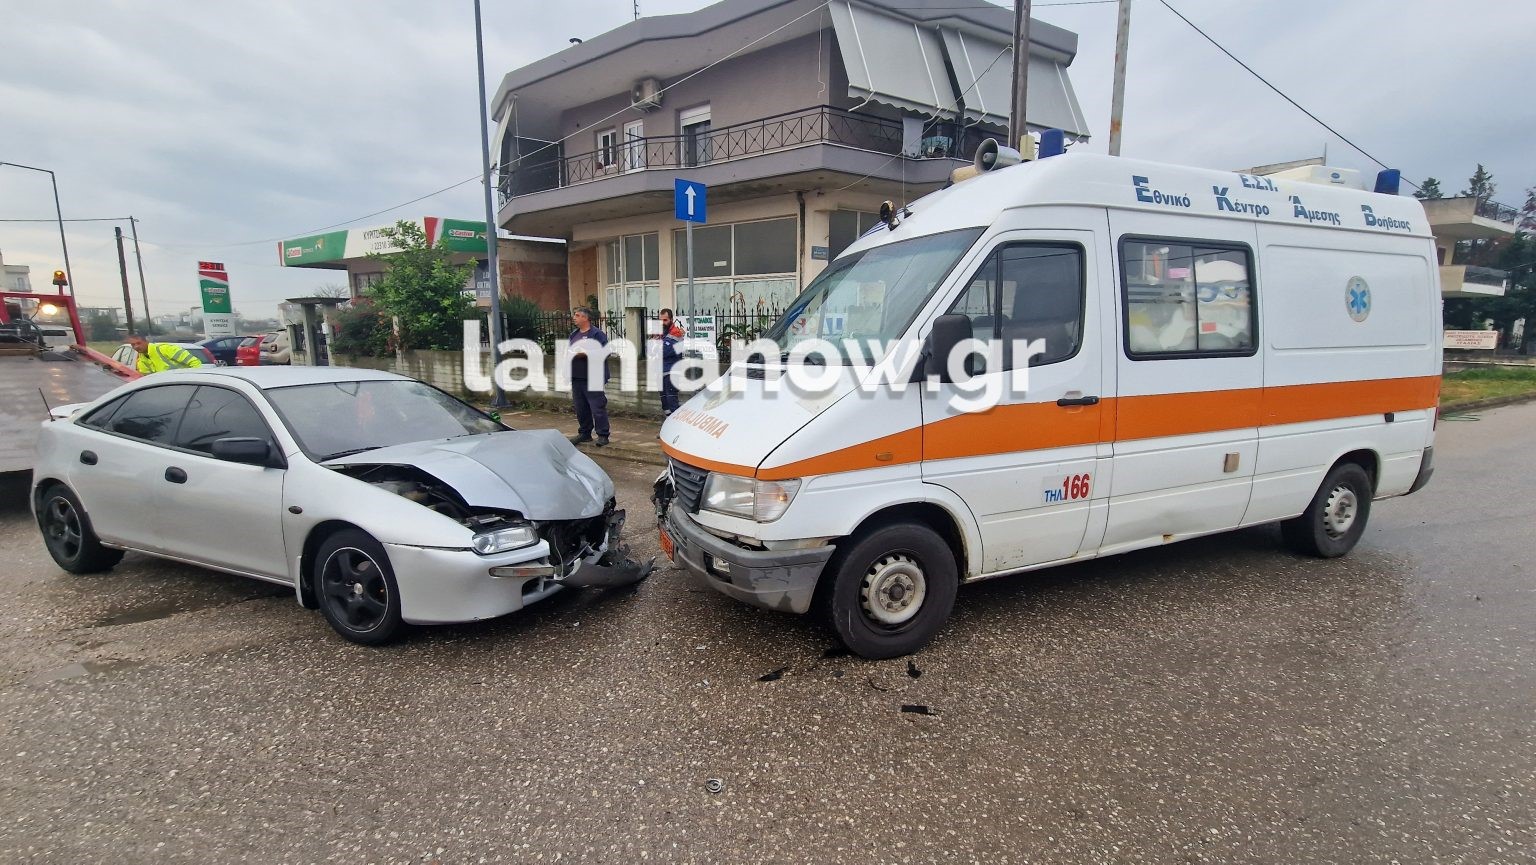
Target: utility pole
{"x": 63, "y": 244}
{"x": 1117, "y": 101}
{"x": 139, "y": 257}
{"x": 1017, "y": 127}
{"x": 498, "y": 398}
{"x": 122, "y": 267}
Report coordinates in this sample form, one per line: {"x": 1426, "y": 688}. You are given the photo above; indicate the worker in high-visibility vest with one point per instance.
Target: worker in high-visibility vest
{"x": 161, "y": 356}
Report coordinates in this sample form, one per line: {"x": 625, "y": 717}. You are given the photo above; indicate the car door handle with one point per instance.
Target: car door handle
{"x": 1078, "y": 400}
{"x": 88, "y": 457}
{"x": 175, "y": 475}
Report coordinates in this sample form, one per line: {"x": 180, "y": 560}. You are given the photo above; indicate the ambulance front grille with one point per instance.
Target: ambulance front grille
{"x": 688, "y": 482}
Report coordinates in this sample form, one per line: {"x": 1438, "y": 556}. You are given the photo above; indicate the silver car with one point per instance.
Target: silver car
{"x": 382, "y": 500}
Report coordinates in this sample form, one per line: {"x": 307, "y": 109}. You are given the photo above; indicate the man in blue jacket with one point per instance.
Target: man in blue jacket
{"x": 671, "y": 352}
{"x": 590, "y": 400}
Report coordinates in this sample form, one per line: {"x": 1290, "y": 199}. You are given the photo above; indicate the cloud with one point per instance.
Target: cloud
{"x": 222, "y": 122}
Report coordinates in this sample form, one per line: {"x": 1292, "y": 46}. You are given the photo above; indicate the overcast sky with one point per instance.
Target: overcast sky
{"x": 226, "y": 126}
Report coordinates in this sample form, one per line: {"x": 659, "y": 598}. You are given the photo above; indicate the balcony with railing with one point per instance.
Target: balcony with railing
{"x": 1468, "y": 280}
{"x": 1469, "y": 218}
{"x": 548, "y": 168}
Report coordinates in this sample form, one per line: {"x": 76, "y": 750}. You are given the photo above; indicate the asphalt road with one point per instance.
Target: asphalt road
{"x": 1213, "y": 701}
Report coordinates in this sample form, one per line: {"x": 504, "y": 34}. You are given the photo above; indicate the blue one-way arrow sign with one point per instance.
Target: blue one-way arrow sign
{"x": 688, "y": 200}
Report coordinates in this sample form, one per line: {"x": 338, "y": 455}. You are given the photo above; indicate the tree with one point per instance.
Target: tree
{"x": 1429, "y": 189}
{"x": 331, "y": 289}
{"x": 1527, "y": 222}
{"x": 1480, "y": 185}
{"x": 101, "y": 328}
{"x": 423, "y": 289}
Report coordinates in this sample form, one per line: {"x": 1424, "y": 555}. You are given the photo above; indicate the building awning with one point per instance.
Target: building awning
{"x": 984, "y": 72}
{"x": 893, "y": 61}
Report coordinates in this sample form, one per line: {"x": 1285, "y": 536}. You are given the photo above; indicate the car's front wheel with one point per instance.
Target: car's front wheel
{"x": 67, "y": 533}
{"x": 887, "y": 593}
{"x": 356, "y": 587}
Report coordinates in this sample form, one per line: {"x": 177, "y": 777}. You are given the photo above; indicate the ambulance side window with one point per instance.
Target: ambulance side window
{"x": 1030, "y": 296}
{"x": 1187, "y": 299}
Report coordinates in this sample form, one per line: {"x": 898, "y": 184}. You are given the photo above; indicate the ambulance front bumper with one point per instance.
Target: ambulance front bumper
{"x": 782, "y": 580}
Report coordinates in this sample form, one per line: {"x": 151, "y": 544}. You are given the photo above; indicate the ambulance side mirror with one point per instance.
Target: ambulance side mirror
{"x": 948, "y": 332}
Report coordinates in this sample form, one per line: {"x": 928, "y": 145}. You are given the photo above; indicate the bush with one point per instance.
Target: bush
{"x": 521, "y": 318}
{"x": 362, "y": 330}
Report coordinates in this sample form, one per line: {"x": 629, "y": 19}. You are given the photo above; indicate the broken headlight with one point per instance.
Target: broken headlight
{"x": 503, "y": 539}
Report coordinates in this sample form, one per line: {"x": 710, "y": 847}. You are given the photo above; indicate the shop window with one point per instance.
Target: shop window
{"x": 846, "y": 226}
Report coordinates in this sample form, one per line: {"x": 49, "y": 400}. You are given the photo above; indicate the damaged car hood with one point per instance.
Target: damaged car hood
{"x": 537, "y": 473}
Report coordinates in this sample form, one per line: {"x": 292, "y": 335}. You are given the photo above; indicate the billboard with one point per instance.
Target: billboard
{"x": 321, "y": 250}
{"x": 218, "y": 309}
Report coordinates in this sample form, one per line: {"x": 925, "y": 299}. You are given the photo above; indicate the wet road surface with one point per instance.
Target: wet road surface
{"x": 1218, "y": 700}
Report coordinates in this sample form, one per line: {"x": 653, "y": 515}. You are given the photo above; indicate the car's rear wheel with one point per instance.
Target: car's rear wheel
{"x": 887, "y": 593}
{"x": 1335, "y": 519}
{"x": 356, "y": 587}
{"x": 67, "y": 533}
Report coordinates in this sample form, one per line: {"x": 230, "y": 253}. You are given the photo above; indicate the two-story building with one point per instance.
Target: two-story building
{"x": 800, "y": 116}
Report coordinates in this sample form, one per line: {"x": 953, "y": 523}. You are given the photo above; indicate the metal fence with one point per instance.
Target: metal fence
{"x": 551, "y": 328}
{"x": 1490, "y": 209}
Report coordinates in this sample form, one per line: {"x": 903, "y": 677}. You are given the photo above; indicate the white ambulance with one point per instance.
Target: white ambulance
{"x": 1219, "y": 350}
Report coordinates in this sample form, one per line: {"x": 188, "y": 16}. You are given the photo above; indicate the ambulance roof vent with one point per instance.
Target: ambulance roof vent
{"x": 1325, "y": 175}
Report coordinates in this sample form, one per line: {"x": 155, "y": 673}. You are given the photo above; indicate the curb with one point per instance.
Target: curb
{"x": 1492, "y": 402}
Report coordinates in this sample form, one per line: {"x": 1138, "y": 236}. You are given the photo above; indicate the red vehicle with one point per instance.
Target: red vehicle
{"x": 248, "y": 353}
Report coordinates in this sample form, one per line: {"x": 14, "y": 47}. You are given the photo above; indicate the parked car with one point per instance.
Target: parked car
{"x": 248, "y": 353}
{"x": 224, "y": 348}
{"x": 126, "y": 356}
{"x": 381, "y": 500}
{"x": 275, "y": 348}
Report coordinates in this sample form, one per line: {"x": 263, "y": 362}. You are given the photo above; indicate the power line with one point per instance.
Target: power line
{"x": 1265, "y": 81}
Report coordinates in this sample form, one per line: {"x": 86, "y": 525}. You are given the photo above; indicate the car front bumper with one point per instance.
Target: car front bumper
{"x": 439, "y": 586}
{"x": 773, "y": 579}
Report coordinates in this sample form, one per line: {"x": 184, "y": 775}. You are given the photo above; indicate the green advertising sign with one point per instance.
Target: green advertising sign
{"x": 461, "y": 235}
{"x": 213, "y": 282}
{"x": 331, "y": 246}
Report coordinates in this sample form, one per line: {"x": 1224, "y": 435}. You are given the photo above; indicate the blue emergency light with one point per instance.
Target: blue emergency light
{"x": 1053, "y": 142}
{"x": 1388, "y": 180}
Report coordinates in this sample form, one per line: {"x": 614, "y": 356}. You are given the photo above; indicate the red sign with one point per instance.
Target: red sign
{"x": 210, "y": 265}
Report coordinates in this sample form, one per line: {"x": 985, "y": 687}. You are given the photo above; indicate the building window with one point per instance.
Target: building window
{"x": 846, "y": 226}
{"x": 607, "y": 148}
{"x": 694, "y": 124}
{"x": 1187, "y": 299}
{"x": 362, "y": 282}
{"x": 633, "y": 273}
{"x": 752, "y": 264}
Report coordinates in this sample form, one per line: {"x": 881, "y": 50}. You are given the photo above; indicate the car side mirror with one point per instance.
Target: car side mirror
{"x": 948, "y": 332}
{"x": 243, "y": 449}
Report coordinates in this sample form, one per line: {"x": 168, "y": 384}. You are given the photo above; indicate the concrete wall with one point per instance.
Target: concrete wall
{"x": 775, "y": 80}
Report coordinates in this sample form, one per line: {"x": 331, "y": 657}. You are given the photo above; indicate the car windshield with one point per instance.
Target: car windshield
{"x": 871, "y": 295}
{"x": 345, "y": 417}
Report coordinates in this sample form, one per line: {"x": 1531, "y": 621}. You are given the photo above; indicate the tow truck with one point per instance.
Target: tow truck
{"x": 39, "y": 370}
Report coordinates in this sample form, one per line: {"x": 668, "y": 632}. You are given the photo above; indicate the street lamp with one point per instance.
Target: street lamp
{"x": 57, "y": 212}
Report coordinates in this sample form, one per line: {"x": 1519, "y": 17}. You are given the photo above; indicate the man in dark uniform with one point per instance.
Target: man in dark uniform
{"x": 587, "y": 395}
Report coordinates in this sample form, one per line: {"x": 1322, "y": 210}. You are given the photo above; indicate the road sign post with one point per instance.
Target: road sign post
{"x": 690, "y": 204}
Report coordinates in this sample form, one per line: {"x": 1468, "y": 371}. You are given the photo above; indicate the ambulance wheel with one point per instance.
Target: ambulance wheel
{"x": 1333, "y": 523}
{"x": 889, "y": 591}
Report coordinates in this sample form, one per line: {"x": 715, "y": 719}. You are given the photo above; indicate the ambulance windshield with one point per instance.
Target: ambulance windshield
{"x": 871, "y": 295}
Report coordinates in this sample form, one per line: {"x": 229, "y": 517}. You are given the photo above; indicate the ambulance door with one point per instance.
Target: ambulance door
{"x": 1189, "y": 377}
{"x": 1025, "y": 466}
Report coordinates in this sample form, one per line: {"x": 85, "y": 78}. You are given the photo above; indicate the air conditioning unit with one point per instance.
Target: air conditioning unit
{"x": 646, "y": 94}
